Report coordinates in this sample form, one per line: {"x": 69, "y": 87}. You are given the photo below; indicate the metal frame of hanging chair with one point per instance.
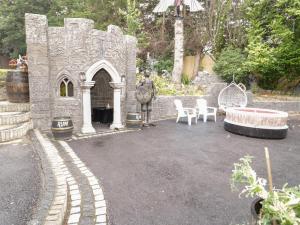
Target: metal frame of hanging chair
{"x": 238, "y": 97}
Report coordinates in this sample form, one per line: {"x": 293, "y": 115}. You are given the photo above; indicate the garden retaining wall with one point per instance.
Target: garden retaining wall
{"x": 163, "y": 107}
{"x": 287, "y": 106}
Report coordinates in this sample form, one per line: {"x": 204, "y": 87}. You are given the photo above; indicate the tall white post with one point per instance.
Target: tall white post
{"x": 117, "y": 123}
{"x": 86, "y": 101}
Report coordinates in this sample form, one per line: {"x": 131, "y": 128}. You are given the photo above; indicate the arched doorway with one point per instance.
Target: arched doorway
{"x": 102, "y": 96}
{"x": 86, "y": 86}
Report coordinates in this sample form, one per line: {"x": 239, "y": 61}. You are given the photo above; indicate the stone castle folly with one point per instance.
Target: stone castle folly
{"x": 75, "y": 68}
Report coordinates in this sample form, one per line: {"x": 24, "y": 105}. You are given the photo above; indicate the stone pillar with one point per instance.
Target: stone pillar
{"x": 38, "y": 69}
{"x": 86, "y": 102}
{"x": 117, "y": 123}
{"x": 178, "y": 51}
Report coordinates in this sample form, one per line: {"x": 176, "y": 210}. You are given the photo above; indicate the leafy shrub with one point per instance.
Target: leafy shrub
{"x": 164, "y": 64}
{"x": 273, "y": 47}
{"x": 164, "y": 86}
{"x": 3, "y": 74}
{"x": 282, "y": 205}
{"x": 185, "y": 79}
{"x": 231, "y": 63}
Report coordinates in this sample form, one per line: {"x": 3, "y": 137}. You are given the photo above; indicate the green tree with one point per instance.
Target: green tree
{"x": 231, "y": 63}
{"x": 274, "y": 40}
{"x": 134, "y": 24}
{"x": 12, "y": 29}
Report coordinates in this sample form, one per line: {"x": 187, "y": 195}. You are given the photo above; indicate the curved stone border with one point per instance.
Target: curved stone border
{"x": 14, "y": 118}
{"x": 57, "y": 211}
{"x": 100, "y": 134}
{"x": 15, "y": 132}
{"x": 6, "y": 106}
{"x": 75, "y": 210}
{"x": 47, "y": 183}
{"x": 99, "y": 201}
{"x": 65, "y": 184}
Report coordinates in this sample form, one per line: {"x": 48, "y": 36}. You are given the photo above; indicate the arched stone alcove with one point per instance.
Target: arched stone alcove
{"x": 115, "y": 83}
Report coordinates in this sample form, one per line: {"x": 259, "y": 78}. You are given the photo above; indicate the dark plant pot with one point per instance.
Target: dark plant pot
{"x": 255, "y": 210}
{"x": 62, "y": 128}
{"x": 256, "y": 207}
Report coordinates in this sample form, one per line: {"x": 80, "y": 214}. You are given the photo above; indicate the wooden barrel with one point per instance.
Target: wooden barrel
{"x": 62, "y": 127}
{"x": 133, "y": 120}
{"x": 17, "y": 86}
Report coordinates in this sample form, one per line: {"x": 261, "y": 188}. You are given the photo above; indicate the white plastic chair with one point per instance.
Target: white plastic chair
{"x": 205, "y": 111}
{"x": 185, "y": 112}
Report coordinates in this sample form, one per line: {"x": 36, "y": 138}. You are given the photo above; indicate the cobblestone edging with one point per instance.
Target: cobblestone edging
{"x": 75, "y": 196}
{"x": 15, "y": 132}
{"x": 47, "y": 185}
{"x": 14, "y": 118}
{"x": 57, "y": 211}
{"x": 100, "y": 134}
{"x": 100, "y": 216}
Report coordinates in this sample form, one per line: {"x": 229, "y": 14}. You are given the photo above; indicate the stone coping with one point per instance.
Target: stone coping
{"x": 15, "y": 131}
{"x": 8, "y": 118}
{"x": 57, "y": 211}
{"x": 65, "y": 205}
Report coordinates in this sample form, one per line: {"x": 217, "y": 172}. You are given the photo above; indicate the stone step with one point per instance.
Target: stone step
{"x": 12, "y": 132}
{"x": 6, "y": 106}
{"x": 11, "y": 118}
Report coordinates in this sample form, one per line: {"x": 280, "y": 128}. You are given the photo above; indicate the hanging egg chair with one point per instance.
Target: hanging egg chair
{"x": 234, "y": 95}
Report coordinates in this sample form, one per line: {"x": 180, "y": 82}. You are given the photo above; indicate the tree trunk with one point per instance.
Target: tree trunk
{"x": 196, "y": 64}
{"x": 162, "y": 34}
{"x": 178, "y": 51}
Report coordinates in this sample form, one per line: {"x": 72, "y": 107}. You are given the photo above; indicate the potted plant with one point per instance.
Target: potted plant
{"x": 273, "y": 206}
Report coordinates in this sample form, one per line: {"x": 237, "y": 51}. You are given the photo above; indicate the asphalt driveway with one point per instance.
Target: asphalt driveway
{"x": 173, "y": 174}
{"x": 20, "y": 182}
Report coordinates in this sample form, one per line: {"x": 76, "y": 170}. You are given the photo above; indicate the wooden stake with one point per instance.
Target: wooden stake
{"x": 269, "y": 174}
{"x": 269, "y": 169}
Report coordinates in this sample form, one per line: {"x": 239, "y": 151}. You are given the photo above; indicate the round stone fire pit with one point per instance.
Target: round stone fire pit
{"x": 254, "y": 122}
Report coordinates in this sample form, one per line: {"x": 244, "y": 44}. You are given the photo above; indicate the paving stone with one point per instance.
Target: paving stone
{"x": 101, "y": 211}
{"x": 99, "y": 197}
{"x": 97, "y": 192}
{"x": 80, "y": 187}
{"x": 101, "y": 219}
{"x": 75, "y": 210}
{"x": 100, "y": 204}
{"x": 74, "y": 218}
{"x": 75, "y": 203}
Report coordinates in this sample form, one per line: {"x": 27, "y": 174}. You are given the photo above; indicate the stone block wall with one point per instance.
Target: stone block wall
{"x": 56, "y": 53}
{"x": 286, "y": 106}
{"x": 163, "y": 107}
